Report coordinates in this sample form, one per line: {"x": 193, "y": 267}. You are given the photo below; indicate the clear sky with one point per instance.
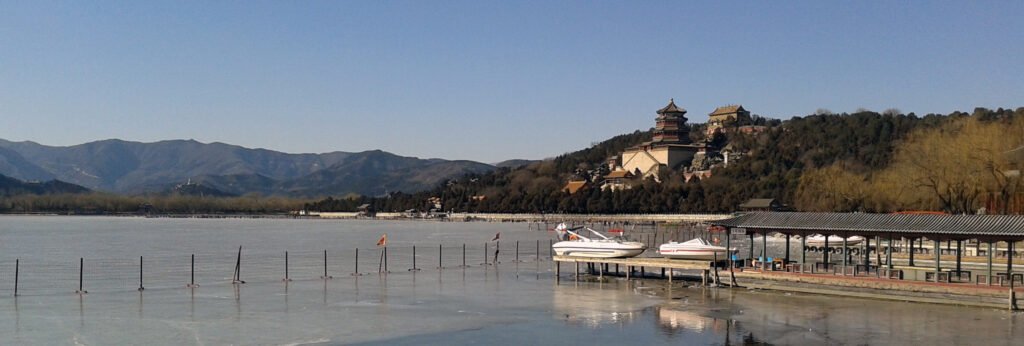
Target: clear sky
{"x": 481, "y": 80}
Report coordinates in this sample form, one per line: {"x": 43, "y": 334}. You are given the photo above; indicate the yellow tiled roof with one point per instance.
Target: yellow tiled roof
{"x": 574, "y": 186}
{"x": 727, "y": 110}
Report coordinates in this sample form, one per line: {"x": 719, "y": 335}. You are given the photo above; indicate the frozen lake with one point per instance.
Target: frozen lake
{"x": 508, "y": 303}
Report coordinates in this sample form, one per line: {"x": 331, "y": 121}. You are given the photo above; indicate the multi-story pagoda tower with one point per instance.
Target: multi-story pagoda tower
{"x": 670, "y": 125}
{"x": 670, "y": 146}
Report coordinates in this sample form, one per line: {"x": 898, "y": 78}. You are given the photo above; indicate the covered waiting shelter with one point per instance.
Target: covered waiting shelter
{"x": 984, "y": 228}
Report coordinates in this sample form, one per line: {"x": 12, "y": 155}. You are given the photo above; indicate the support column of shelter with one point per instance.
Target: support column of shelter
{"x": 824, "y": 253}
{"x": 938, "y": 259}
{"x": 989, "y": 252}
{"x": 803, "y": 251}
{"x": 764, "y": 250}
{"x": 751, "y": 257}
{"x": 846, "y": 253}
{"x": 989, "y": 272}
{"x": 787, "y": 248}
{"x": 911, "y": 244}
{"x": 1009, "y": 261}
{"x": 867, "y": 252}
{"x": 728, "y": 247}
{"x": 888, "y": 253}
{"x": 878, "y": 257}
{"x": 959, "y": 246}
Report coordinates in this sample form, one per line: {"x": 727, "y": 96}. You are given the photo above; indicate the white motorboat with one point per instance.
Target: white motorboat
{"x": 574, "y": 244}
{"x": 833, "y": 241}
{"x": 696, "y": 249}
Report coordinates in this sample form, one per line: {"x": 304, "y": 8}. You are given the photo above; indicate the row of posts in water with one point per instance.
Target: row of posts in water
{"x": 382, "y": 267}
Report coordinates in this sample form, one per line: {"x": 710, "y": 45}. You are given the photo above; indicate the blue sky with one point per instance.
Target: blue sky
{"x": 481, "y": 80}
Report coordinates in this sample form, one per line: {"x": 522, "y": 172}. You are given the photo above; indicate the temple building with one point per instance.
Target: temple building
{"x": 727, "y": 117}
{"x": 670, "y": 146}
{"x": 617, "y": 180}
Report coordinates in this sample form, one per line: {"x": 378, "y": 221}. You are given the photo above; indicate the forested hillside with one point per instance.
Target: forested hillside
{"x": 863, "y": 144}
{"x": 10, "y": 187}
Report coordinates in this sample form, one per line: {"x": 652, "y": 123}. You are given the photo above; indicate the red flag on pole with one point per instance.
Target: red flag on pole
{"x": 383, "y": 240}
{"x": 496, "y": 236}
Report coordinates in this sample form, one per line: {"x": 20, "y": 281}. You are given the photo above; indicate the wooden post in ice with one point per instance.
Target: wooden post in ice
{"x": 17, "y": 269}
{"x": 286, "y": 277}
{"x": 485, "y": 255}
{"x": 81, "y": 266}
{"x": 140, "y": 274}
{"x": 414, "y": 268}
{"x": 192, "y": 283}
{"x": 356, "y": 272}
{"x": 325, "y": 277}
{"x": 238, "y": 268}
{"x": 464, "y": 255}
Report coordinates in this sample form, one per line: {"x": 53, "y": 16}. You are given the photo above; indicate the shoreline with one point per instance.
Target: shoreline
{"x": 454, "y": 217}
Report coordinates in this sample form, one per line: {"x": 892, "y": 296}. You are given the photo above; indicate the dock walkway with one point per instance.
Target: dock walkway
{"x": 860, "y": 286}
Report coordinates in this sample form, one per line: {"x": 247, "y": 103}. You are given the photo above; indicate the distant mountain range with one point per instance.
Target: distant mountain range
{"x": 136, "y": 168}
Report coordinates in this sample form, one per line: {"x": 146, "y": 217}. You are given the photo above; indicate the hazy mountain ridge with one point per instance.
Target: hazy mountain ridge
{"x": 133, "y": 167}
{"x": 16, "y": 165}
{"x": 514, "y": 163}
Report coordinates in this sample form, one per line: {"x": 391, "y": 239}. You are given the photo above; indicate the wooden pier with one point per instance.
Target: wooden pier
{"x": 631, "y": 265}
{"x": 871, "y": 286}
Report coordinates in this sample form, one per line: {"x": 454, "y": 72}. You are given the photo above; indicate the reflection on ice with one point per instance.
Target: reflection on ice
{"x": 594, "y": 307}
{"x": 679, "y": 319}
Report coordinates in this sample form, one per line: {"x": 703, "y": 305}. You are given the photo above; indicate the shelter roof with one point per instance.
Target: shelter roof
{"x": 1006, "y": 226}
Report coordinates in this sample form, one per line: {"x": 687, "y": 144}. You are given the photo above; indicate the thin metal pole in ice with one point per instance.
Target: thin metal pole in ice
{"x": 485, "y": 255}
{"x": 17, "y": 269}
{"x": 325, "y": 277}
{"x": 238, "y": 268}
{"x": 81, "y": 266}
{"x": 414, "y": 268}
{"x": 192, "y": 284}
{"x": 140, "y": 274}
{"x": 286, "y": 277}
{"x": 356, "y": 272}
